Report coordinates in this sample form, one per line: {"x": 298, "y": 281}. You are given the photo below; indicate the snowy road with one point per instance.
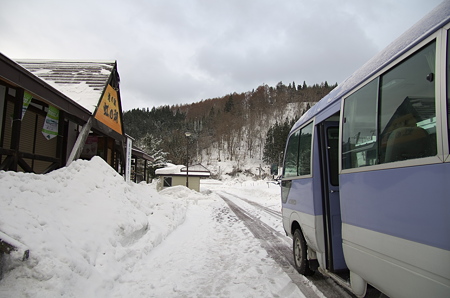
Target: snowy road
{"x": 270, "y": 241}
{"x": 212, "y": 254}
{"x": 259, "y": 220}
{"x": 229, "y": 246}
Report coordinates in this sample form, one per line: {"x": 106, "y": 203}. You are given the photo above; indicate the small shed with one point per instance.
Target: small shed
{"x": 173, "y": 175}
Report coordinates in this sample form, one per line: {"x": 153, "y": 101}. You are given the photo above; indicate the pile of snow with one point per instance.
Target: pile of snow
{"x": 84, "y": 227}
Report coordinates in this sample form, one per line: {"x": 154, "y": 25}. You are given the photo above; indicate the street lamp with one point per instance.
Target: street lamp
{"x": 187, "y": 134}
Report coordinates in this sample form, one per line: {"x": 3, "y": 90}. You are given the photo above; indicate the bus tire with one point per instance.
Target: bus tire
{"x": 300, "y": 254}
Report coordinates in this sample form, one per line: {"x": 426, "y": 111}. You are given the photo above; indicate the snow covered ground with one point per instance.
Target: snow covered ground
{"x": 90, "y": 234}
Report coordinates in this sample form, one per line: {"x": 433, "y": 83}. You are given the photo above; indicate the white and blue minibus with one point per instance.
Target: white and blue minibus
{"x": 365, "y": 188}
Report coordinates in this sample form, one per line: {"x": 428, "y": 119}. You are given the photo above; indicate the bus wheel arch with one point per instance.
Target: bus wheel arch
{"x": 300, "y": 253}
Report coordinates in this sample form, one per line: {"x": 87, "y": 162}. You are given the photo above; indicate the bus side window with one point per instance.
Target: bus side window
{"x": 298, "y": 153}
{"x": 304, "y": 156}
{"x": 359, "y": 128}
{"x": 407, "y": 108}
{"x": 291, "y": 158}
{"x": 393, "y": 117}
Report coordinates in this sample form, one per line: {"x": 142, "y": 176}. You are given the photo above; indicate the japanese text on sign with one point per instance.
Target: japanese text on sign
{"x": 108, "y": 111}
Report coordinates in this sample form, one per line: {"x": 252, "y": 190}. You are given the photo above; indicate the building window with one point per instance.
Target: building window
{"x": 167, "y": 181}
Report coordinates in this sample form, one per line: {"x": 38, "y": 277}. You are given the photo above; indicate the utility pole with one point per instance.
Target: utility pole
{"x": 187, "y": 134}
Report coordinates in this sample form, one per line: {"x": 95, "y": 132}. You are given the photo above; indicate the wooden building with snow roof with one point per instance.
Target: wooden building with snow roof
{"x": 53, "y": 112}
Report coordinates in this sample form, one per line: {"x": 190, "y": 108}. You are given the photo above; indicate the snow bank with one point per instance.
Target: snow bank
{"x": 84, "y": 226}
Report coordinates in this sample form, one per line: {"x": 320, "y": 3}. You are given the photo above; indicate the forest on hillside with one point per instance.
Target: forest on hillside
{"x": 235, "y": 127}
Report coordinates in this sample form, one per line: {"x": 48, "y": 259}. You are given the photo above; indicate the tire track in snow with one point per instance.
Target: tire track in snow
{"x": 275, "y": 248}
{"x": 312, "y": 286}
{"x": 272, "y": 212}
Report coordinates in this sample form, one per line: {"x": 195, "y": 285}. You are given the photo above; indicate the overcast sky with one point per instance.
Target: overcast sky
{"x": 175, "y": 52}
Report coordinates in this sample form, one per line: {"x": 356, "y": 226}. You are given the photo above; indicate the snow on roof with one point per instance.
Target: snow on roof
{"x": 180, "y": 170}
{"x": 81, "y": 81}
{"x": 169, "y": 169}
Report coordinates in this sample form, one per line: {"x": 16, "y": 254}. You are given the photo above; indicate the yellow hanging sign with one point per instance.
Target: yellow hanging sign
{"x": 108, "y": 111}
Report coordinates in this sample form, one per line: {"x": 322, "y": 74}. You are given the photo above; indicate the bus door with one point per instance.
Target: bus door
{"x": 329, "y": 132}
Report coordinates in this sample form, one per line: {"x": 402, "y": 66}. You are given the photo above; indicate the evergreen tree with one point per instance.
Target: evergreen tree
{"x": 269, "y": 146}
{"x": 152, "y": 146}
{"x": 229, "y": 105}
{"x": 275, "y": 142}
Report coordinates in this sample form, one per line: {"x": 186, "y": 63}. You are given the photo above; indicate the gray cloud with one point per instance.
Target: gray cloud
{"x": 174, "y": 52}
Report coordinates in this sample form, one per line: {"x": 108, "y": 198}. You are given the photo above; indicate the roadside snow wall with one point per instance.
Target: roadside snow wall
{"x": 84, "y": 226}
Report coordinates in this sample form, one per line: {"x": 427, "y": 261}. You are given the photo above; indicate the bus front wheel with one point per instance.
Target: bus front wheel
{"x": 300, "y": 254}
